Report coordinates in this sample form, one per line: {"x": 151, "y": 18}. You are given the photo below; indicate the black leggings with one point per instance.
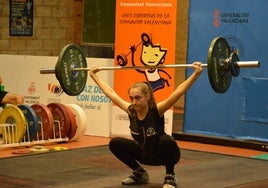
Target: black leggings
{"x": 130, "y": 152}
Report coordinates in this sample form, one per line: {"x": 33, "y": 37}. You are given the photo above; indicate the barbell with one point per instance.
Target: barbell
{"x": 71, "y": 67}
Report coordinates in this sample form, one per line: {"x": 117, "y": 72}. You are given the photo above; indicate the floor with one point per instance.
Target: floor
{"x": 89, "y": 163}
{"x": 81, "y": 165}
{"x": 88, "y": 141}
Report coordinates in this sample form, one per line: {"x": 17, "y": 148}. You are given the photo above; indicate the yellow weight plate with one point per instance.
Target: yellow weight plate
{"x": 39, "y": 149}
{"x": 14, "y": 116}
{"x": 59, "y": 148}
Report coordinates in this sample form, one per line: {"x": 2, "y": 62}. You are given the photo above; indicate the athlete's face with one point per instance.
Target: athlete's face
{"x": 138, "y": 99}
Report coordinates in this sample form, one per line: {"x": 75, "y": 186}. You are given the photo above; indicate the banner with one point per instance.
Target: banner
{"x": 36, "y": 88}
{"x": 145, "y": 36}
{"x": 244, "y": 28}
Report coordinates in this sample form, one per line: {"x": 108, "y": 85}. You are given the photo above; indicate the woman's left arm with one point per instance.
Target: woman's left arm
{"x": 179, "y": 91}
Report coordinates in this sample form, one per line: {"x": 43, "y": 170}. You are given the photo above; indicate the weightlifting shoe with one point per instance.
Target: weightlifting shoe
{"x": 170, "y": 181}
{"x": 137, "y": 177}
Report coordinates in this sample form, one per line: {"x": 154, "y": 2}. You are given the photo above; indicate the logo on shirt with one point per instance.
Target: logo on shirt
{"x": 150, "y": 132}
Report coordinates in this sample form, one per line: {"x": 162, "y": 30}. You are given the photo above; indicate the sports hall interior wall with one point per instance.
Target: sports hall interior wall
{"x": 57, "y": 23}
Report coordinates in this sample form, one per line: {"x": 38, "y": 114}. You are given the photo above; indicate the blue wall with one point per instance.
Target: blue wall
{"x": 242, "y": 111}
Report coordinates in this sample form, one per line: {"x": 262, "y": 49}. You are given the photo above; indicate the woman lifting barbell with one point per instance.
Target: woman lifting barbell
{"x": 9, "y": 98}
{"x": 151, "y": 145}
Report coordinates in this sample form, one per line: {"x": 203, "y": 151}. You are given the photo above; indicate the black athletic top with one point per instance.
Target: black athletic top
{"x": 2, "y": 95}
{"x": 148, "y": 131}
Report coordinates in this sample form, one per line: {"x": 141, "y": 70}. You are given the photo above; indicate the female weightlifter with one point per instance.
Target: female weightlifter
{"x": 151, "y": 145}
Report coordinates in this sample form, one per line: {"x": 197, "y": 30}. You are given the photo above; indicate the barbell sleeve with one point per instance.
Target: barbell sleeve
{"x": 47, "y": 71}
{"x": 248, "y": 63}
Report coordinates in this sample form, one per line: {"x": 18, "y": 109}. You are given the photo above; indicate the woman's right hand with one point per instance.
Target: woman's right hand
{"x": 198, "y": 67}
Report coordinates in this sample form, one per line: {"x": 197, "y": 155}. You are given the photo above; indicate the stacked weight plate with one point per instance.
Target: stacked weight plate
{"x": 41, "y": 123}
{"x": 45, "y": 121}
{"x": 80, "y": 119}
{"x": 13, "y": 125}
{"x": 31, "y": 120}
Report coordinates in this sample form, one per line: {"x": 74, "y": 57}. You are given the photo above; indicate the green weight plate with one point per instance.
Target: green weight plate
{"x": 219, "y": 74}
{"x": 72, "y": 82}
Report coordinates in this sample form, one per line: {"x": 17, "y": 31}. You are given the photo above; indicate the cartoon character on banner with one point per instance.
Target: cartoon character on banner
{"x": 151, "y": 55}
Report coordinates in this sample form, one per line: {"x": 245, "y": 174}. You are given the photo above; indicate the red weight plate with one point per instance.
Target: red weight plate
{"x": 24, "y": 151}
{"x": 73, "y": 126}
{"x": 45, "y": 119}
{"x": 61, "y": 120}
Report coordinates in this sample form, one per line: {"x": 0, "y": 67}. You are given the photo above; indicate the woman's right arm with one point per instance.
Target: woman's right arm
{"x": 107, "y": 90}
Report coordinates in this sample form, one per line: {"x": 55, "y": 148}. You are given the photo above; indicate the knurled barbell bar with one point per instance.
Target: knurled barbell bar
{"x": 71, "y": 67}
